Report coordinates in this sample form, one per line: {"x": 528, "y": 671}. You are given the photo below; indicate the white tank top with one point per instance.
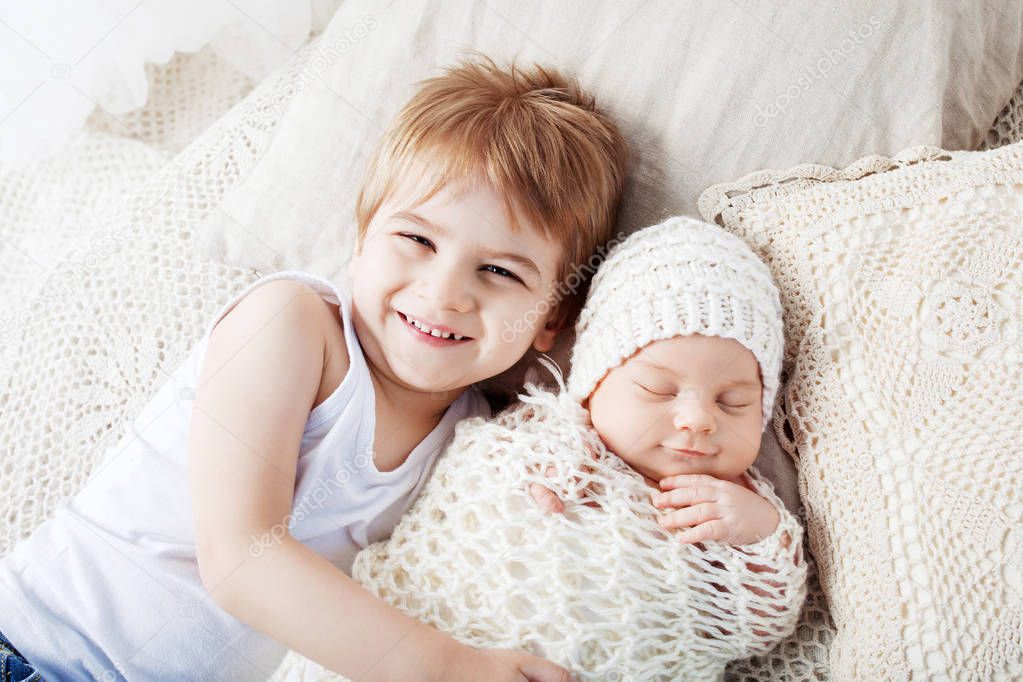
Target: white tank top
{"x": 109, "y": 587}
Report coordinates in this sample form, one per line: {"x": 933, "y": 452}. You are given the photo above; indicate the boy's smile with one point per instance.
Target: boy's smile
{"x": 431, "y": 333}
{"x": 434, "y": 285}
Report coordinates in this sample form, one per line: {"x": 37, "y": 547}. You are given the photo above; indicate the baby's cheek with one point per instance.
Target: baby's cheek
{"x": 611, "y": 424}
{"x": 747, "y": 445}
{"x": 631, "y": 419}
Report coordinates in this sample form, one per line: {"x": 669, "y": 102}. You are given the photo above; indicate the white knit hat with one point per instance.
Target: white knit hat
{"x": 680, "y": 277}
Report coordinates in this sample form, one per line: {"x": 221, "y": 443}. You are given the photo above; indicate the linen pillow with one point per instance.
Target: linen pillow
{"x": 902, "y": 283}
{"x": 704, "y": 91}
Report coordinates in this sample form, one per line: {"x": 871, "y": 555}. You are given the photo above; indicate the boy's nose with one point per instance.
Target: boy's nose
{"x": 447, "y": 289}
{"x": 689, "y": 412}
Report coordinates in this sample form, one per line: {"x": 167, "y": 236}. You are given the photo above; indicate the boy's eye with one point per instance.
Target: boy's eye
{"x": 418, "y": 239}
{"x": 497, "y": 270}
{"x": 502, "y": 272}
{"x": 736, "y": 407}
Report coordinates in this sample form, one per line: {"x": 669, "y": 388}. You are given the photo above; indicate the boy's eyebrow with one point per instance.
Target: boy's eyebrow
{"x": 728, "y": 384}
{"x": 506, "y": 255}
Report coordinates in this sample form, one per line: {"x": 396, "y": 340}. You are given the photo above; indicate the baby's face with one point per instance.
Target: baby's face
{"x": 695, "y": 392}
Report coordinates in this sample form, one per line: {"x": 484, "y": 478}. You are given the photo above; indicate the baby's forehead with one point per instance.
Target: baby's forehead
{"x": 717, "y": 362}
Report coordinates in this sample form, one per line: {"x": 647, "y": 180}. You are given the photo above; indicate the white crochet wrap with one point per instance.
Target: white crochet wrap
{"x": 600, "y": 589}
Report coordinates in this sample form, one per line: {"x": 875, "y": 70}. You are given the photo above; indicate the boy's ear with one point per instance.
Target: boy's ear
{"x": 544, "y": 341}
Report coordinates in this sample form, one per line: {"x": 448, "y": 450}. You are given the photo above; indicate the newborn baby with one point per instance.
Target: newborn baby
{"x": 674, "y": 374}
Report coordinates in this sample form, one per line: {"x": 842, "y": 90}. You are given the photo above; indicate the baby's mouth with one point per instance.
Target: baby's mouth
{"x": 691, "y": 454}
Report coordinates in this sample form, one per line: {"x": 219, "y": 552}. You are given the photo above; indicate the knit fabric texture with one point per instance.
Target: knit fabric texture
{"x": 682, "y": 276}
{"x": 600, "y": 589}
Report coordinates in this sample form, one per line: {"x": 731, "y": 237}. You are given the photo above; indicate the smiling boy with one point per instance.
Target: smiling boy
{"x": 223, "y": 531}
{"x": 437, "y": 283}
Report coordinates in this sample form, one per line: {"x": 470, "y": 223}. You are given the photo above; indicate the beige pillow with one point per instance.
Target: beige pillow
{"x": 705, "y": 91}
{"x": 902, "y": 283}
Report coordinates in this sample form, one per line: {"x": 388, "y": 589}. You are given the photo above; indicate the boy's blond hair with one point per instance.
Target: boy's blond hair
{"x": 532, "y": 134}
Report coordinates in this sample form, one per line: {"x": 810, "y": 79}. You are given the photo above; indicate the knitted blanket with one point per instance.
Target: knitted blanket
{"x": 600, "y": 589}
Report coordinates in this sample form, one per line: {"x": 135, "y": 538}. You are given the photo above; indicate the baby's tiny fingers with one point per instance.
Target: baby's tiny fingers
{"x": 671, "y": 499}
{"x": 711, "y": 530}
{"x": 680, "y": 480}
{"x": 546, "y": 498}
{"x": 689, "y": 516}
{"x": 684, "y": 496}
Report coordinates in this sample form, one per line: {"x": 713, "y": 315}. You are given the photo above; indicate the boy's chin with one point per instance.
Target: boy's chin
{"x": 434, "y": 389}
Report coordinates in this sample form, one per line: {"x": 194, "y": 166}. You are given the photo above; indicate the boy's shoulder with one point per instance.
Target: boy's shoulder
{"x": 300, "y": 312}
{"x": 290, "y": 300}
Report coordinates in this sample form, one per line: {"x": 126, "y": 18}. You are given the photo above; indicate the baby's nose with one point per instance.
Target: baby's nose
{"x": 689, "y": 412}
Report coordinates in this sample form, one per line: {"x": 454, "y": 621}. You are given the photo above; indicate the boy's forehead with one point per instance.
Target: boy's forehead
{"x": 458, "y": 195}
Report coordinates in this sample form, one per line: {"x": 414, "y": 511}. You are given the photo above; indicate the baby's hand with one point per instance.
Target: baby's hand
{"x": 714, "y": 509}
{"x": 548, "y": 499}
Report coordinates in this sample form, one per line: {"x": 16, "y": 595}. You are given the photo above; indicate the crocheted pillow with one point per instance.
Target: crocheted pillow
{"x": 902, "y": 283}
{"x": 600, "y": 589}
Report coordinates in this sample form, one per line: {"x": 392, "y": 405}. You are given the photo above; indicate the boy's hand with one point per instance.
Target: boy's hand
{"x": 714, "y": 509}
{"x": 506, "y": 665}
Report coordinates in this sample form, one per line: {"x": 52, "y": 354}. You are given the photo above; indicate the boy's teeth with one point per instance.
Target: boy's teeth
{"x": 433, "y": 332}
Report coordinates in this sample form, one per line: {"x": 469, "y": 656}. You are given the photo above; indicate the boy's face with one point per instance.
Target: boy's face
{"x": 453, "y": 262}
{"x": 673, "y": 395}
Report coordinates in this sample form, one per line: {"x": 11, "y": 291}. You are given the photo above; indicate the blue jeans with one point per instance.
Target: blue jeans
{"x": 13, "y": 665}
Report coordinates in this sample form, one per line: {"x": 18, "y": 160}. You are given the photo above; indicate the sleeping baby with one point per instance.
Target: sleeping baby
{"x": 668, "y": 554}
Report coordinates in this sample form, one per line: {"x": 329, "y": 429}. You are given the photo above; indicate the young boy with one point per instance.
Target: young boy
{"x": 221, "y": 530}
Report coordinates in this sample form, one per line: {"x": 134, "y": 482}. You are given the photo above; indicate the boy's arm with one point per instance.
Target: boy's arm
{"x": 258, "y": 382}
